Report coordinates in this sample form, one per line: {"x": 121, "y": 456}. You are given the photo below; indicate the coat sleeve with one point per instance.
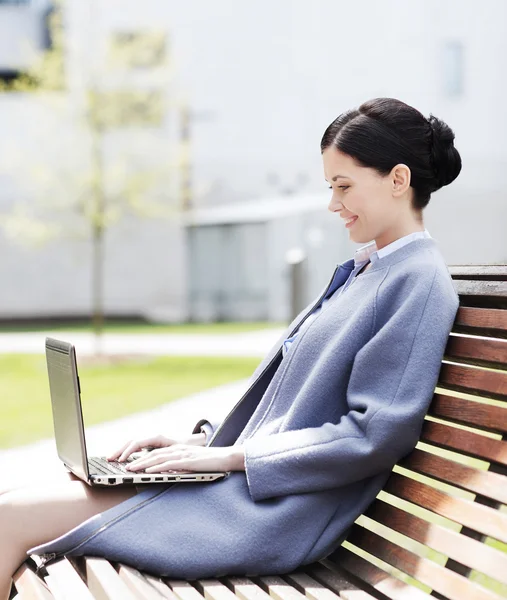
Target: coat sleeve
{"x": 391, "y": 385}
{"x": 206, "y": 427}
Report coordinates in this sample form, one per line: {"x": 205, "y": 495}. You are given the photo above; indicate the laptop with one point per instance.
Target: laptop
{"x": 69, "y": 430}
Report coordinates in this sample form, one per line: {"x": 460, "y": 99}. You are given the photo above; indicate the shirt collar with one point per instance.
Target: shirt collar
{"x": 369, "y": 252}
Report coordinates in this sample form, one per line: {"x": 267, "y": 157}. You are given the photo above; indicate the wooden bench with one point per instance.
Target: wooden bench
{"x": 439, "y": 527}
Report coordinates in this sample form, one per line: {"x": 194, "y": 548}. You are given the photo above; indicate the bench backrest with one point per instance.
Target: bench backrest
{"x": 448, "y": 498}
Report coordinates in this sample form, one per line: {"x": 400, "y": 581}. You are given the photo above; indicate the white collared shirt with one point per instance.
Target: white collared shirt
{"x": 362, "y": 256}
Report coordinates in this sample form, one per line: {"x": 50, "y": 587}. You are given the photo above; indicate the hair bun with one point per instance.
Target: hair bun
{"x": 445, "y": 159}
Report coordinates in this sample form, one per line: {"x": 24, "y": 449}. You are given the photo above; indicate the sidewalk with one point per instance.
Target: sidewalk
{"x": 175, "y": 418}
{"x": 253, "y": 343}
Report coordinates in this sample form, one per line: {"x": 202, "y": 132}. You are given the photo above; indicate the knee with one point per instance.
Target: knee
{"x": 12, "y": 543}
{"x": 8, "y": 517}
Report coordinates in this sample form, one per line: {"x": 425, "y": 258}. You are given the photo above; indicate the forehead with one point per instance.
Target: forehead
{"x": 338, "y": 163}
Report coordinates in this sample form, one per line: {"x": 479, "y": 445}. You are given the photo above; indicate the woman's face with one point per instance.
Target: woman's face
{"x": 380, "y": 204}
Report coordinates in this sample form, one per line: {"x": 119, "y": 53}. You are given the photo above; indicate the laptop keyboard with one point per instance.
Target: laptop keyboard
{"x": 101, "y": 466}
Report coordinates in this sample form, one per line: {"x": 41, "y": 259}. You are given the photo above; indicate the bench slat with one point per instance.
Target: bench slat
{"x": 164, "y": 590}
{"x": 245, "y": 588}
{"x": 468, "y": 287}
{"x": 485, "y": 483}
{"x": 311, "y": 588}
{"x": 440, "y": 579}
{"x": 277, "y": 588}
{"x": 490, "y": 352}
{"x": 29, "y": 586}
{"x": 489, "y": 319}
{"x": 463, "y": 549}
{"x": 104, "y": 582}
{"x": 338, "y": 580}
{"x": 481, "y": 518}
{"x": 469, "y": 412}
{"x": 474, "y": 380}
{"x": 183, "y": 590}
{"x": 467, "y": 442}
{"x": 213, "y": 589}
{"x": 478, "y": 271}
{"x": 384, "y": 584}
{"x": 68, "y": 581}
{"x": 137, "y": 584}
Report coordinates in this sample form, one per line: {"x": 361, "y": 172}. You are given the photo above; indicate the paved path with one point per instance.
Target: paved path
{"x": 174, "y": 418}
{"x": 253, "y": 343}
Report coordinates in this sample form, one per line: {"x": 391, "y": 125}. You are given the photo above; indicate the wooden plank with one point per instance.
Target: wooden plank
{"x": 245, "y": 588}
{"x": 485, "y": 483}
{"x": 476, "y": 516}
{"x": 29, "y": 586}
{"x": 383, "y": 584}
{"x": 489, "y": 319}
{"x": 467, "y": 287}
{"x": 478, "y": 271}
{"x": 68, "y": 581}
{"x": 137, "y": 584}
{"x": 474, "y": 380}
{"x": 53, "y": 588}
{"x": 437, "y": 577}
{"x": 212, "y": 589}
{"x": 183, "y": 590}
{"x": 484, "y": 351}
{"x": 164, "y": 590}
{"x": 335, "y": 578}
{"x": 463, "y": 549}
{"x": 311, "y": 588}
{"x": 277, "y": 588}
{"x": 467, "y": 442}
{"x": 104, "y": 582}
{"x": 469, "y": 412}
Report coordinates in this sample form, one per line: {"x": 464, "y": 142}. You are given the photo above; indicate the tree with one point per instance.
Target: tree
{"x": 101, "y": 190}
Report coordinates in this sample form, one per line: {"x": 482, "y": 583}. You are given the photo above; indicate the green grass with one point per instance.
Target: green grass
{"x": 143, "y": 327}
{"x": 108, "y": 391}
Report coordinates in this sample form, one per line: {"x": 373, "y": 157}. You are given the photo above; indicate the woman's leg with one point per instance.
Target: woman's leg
{"x": 32, "y": 515}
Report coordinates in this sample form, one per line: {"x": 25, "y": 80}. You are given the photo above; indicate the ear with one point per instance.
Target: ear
{"x": 400, "y": 179}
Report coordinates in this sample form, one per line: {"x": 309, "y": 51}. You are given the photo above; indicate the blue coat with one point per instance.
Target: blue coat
{"x": 321, "y": 430}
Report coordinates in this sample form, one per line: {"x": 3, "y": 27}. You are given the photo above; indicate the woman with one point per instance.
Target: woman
{"x": 336, "y": 402}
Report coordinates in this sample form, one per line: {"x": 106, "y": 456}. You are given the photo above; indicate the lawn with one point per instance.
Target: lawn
{"x": 110, "y": 390}
{"x": 144, "y": 327}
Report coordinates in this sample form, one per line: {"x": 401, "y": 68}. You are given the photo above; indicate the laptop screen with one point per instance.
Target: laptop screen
{"x": 66, "y": 405}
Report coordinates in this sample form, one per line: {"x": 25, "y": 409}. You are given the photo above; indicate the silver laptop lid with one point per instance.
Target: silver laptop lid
{"x": 65, "y": 401}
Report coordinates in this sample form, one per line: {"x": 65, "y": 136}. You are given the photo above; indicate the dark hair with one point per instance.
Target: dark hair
{"x": 385, "y": 131}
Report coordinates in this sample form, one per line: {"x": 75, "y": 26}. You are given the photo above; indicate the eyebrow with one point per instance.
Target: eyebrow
{"x": 337, "y": 176}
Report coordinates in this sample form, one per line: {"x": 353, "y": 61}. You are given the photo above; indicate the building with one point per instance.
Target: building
{"x": 261, "y": 81}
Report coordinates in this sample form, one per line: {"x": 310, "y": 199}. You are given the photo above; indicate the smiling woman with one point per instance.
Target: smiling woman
{"x": 336, "y": 402}
{"x": 384, "y": 160}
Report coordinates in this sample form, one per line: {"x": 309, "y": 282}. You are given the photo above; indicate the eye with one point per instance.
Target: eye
{"x": 344, "y": 187}
{"x": 330, "y": 187}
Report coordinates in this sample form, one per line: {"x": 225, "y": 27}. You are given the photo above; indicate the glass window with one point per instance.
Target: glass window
{"x": 453, "y": 68}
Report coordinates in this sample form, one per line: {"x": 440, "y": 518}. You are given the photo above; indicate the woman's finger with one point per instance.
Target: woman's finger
{"x": 115, "y": 455}
{"x": 169, "y": 466}
{"x": 150, "y": 461}
{"x": 135, "y": 446}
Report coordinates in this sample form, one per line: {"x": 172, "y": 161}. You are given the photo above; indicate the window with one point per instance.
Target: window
{"x": 453, "y": 68}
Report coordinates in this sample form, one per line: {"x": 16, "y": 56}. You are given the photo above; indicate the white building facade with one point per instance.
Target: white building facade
{"x": 262, "y": 81}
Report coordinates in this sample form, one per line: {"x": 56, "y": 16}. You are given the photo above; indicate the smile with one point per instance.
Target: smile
{"x": 350, "y": 222}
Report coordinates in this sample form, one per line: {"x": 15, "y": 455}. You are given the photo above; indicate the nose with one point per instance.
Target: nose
{"x": 334, "y": 205}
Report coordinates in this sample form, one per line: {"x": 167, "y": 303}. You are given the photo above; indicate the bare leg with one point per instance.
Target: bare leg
{"x": 33, "y": 515}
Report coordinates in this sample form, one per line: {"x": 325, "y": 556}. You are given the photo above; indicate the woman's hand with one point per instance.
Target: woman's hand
{"x": 159, "y": 441}
{"x": 182, "y": 457}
